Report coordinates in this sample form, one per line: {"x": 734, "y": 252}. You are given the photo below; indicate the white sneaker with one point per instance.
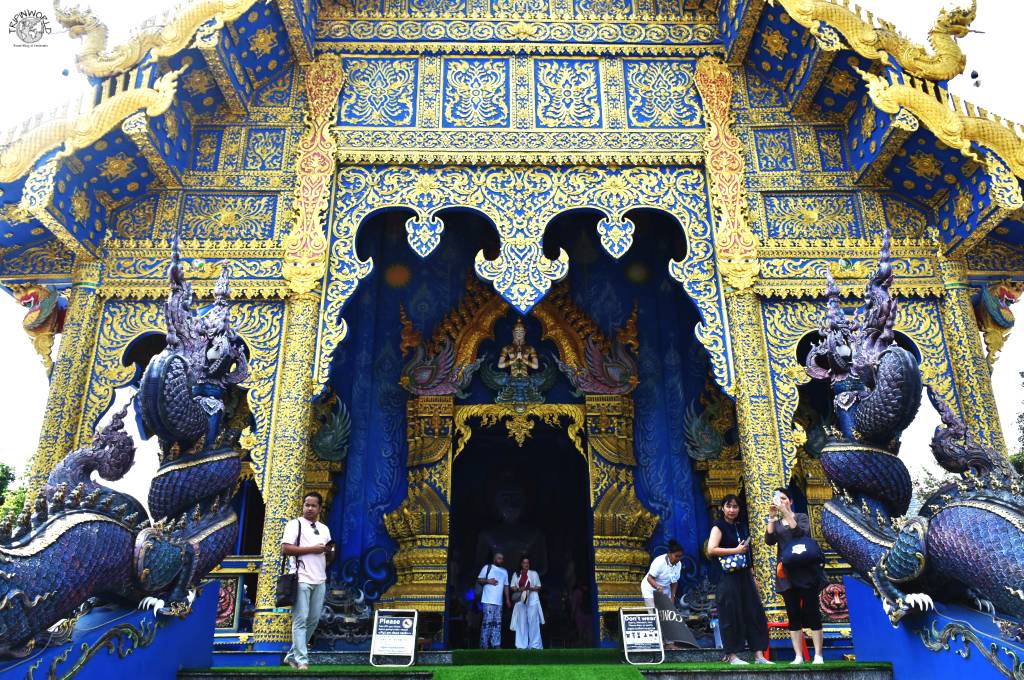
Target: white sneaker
{"x": 818, "y": 661}
{"x": 796, "y": 661}
{"x": 762, "y": 660}
{"x": 737, "y": 661}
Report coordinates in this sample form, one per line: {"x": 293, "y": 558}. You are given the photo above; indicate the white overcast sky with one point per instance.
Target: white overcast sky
{"x": 32, "y": 81}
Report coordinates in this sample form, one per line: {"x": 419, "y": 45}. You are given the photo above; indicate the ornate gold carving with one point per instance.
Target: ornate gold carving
{"x": 136, "y": 126}
{"x": 760, "y": 434}
{"x": 420, "y": 525}
{"x": 519, "y": 201}
{"x": 519, "y": 420}
{"x": 735, "y": 244}
{"x": 78, "y": 132}
{"x": 429, "y": 423}
{"x": 37, "y": 201}
{"x": 161, "y": 37}
{"x": 610, "y": 427}
{"x": 832, "y": 21}
{"x": 470, "y": 323}
{"x": 969, "y": 366}
{"x": 305, "y": 247}
{"x": 622, "y": 526}
{"x": 44, "y": 319}
{"x": 995, "y": 331}
{"x": 566, "y": 325}
{"x": 69, "y": 378}
{"x": 287, "y": 450}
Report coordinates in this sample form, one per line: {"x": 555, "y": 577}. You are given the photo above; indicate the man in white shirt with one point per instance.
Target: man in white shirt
{"x": 305, "y": 541}
{"x": 494, "y": 578}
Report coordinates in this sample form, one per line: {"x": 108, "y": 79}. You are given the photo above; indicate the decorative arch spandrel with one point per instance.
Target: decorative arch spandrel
{"x": 520, "y": 202}
{"x": 259, "y": 324}
{"x": 787, "y": 322}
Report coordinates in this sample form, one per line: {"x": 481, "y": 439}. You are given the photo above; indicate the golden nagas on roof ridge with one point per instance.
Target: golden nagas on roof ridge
{"x": 957, "y": 124}
{"x": 164, "y": 36}
{"x": 837, "y": 24}
{"x": 76, "y": 126}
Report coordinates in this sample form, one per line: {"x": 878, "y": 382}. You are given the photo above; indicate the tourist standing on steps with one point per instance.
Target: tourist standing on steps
{"x": 741, "y": 618}
{"x": 798, "y": 584}
{"x": 306, "y": 540}
{"x": 527, "y": 615}
{"x": 494, "y": 580}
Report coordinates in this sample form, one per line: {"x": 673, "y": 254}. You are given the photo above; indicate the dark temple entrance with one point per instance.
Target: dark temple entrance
{"x": 537, "y": 496}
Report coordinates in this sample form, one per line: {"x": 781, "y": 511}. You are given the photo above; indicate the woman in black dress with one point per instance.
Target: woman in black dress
{"x": 799, "y": 585}
{"x": 741, "y": 616}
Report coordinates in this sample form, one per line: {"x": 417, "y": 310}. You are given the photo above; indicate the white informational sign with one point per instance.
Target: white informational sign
{"x": 394, "y": 637}
{"x": 641, "y": 636}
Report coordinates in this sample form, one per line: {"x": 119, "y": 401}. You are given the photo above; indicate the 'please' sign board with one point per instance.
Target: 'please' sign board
{"x": 394, "y": 637}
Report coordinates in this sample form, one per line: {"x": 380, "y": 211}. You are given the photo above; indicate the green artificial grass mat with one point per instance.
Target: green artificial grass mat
{"x": 778, "y": 665}
{"x": 544, "y": 657}
{"x": 550, "y": 671}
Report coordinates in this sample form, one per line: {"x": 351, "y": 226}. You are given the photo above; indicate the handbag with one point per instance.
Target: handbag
{"x": 731, "y": 563}
{"x": 479, "y": 590}
{"x": 803, "y": 550}
{"x": 288, "y": 583}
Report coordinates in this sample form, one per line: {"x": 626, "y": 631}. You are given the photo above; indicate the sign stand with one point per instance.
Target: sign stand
{"x": 394, "y": 637}
{"x": 641, "y": 636}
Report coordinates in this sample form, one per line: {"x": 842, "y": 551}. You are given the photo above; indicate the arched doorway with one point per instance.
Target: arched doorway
{"x": 531, "y": 499}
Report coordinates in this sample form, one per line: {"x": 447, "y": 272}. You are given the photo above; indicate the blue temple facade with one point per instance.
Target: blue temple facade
{"x": 657, "y": 189}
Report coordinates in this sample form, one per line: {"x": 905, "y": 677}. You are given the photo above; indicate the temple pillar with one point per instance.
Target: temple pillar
{"x": 760, "y": 443}
{"x": 737, "y": 260}
{"x": 288, "y": 450}
{"x": 304, "y": 265}
{"x": 70, "y": 376}
{"x": 971, "y": 371}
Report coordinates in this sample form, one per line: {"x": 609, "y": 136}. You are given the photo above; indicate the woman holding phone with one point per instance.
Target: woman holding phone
{"x": 798, "y": 584}
{"x": 741, "y": 616}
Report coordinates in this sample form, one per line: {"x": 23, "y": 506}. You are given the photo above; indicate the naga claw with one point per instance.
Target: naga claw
{"x": 921, "y": 601}
{"x": 154, "y": 604}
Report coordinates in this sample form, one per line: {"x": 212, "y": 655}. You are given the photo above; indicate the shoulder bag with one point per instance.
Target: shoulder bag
{"x": 731, "y": 563}
{"x": 480, "y": 586}
{"x": 288, "y": 583}
{"x": 803, "y": 550}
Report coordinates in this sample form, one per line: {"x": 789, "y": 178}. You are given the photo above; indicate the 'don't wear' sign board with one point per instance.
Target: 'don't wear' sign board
{"x": 394, "y": 637}
{"x": 641, "y": 636}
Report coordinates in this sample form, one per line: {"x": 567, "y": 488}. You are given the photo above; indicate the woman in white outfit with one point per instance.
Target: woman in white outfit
{"x": 527, "y": 616}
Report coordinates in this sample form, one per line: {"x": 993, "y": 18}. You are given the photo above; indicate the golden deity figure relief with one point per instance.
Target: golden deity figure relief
{"x": 518, "y": 357}
{"x": 512, "y": 379}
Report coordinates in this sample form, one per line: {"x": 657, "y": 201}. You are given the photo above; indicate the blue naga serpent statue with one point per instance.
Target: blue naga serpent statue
{"x": 967, "y": 542}
{"x": 79, "y": 539}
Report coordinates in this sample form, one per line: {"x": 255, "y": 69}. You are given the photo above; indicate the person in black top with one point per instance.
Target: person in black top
{"x": 799, "y": 585}
{"x": 741, "y": 616}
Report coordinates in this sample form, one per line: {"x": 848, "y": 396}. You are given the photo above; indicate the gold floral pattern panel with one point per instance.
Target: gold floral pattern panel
{"x": 476, "y": 93}
{"x": 519, "y": 107}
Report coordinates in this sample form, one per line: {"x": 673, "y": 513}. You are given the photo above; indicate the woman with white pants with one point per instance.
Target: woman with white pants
{"x": 527, "y": 615}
